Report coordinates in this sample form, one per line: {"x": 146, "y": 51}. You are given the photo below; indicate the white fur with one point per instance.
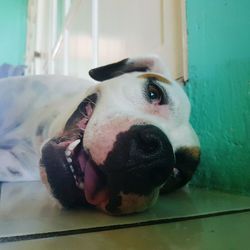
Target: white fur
{"x": 27, "y": 102}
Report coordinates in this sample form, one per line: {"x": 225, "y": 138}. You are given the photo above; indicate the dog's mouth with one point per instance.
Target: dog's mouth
{"x": 87, "y": 176}
{"x": 74, "y": 178}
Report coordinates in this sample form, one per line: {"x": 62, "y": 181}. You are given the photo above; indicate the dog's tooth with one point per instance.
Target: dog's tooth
{"x": 81, "y": 185}
{"x": 73, "y": 172}
{"x": 176, "y": 171}
{"x": 71, "y": 168}
{"x": 68, "y": 153}
{"x": 69, "y": 160}
{"x": 72, "y": 145}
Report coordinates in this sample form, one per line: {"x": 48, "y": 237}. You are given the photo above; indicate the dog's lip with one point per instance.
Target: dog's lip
{"x": 73, "y": 176}
{"x": 88, "y": 177}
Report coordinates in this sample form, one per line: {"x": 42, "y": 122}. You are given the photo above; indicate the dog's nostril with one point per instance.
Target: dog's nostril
{"x": 149, "y": 141}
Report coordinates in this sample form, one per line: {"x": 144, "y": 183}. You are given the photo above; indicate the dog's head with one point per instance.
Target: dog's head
{"x": 128, "y": 139}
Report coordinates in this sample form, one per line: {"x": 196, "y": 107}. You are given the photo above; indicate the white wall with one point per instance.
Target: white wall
{"x": 103, "y": 31}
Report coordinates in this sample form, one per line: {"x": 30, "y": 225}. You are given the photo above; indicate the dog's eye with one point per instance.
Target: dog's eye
{"x": 154, "y": 94}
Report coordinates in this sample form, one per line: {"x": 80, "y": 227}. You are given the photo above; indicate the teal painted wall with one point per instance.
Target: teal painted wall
{"x": 13, "y": 14}
{"x": 219, "y": 89}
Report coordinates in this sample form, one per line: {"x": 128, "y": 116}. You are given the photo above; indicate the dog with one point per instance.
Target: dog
{"x": 114, "y": 145}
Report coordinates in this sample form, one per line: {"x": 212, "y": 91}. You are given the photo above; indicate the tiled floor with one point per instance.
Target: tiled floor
{"x": 191, "y": 219}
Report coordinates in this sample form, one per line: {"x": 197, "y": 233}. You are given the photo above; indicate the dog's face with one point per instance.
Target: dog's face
{"x": 128, "y": 138}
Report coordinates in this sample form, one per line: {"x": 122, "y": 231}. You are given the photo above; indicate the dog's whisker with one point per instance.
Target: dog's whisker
{"x": 91, "y": 101}
{"x": 80, "y": 185}
{"x": 69, "y": 159}
{"x": 84, "y": 115}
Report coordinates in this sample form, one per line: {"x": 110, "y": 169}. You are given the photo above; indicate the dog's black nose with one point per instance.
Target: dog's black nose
{"x": 148, "y": 142}
{"x": 142, "y": 159}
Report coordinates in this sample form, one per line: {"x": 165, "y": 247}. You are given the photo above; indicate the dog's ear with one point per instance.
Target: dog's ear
{"x": 141, "y": 64}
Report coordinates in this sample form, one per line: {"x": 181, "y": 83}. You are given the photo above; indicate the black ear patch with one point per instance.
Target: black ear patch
{"x": 116, "y": 69}
{"x": 187, "y": 161}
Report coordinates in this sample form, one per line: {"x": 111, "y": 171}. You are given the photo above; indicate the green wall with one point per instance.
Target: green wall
{"x": 13, "y": 14}
{"x": 219, "y": 88}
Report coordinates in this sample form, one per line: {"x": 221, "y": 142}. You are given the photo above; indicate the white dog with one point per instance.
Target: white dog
{"x": 112, "y": 145}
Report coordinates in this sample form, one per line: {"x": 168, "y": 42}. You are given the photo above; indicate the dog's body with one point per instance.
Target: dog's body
{"x": 30, "y": 110}
{"x": 112, "y": 145}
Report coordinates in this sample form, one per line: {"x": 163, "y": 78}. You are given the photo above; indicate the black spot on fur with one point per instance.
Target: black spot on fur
{"x": 115, "y": 69}
{"x": 39, "y": 130}
{"x": 14, "y": 171}
{"x": 141, "y": 160}
{"x": 114, "y": 204}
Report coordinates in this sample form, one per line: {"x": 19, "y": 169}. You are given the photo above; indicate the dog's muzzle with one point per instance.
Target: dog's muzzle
{"x": 140, "y": 163}
{"x": 128, "y": 181}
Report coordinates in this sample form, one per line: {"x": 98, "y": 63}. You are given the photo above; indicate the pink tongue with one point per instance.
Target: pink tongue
{"x": 94, "y": 194}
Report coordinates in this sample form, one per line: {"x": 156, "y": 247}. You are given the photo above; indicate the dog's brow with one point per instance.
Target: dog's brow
{"x": 155, "y": 76}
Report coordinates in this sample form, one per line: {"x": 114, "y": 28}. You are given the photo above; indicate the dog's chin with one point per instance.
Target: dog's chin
{"x": 124, "y": 204}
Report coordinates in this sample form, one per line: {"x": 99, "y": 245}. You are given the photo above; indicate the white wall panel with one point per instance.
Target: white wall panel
{"x": 58, "y": 60}
{"x": 79, "y": 38}
{"x": 174, "y": 29}
{"x": 128, "y": 28}
{"x": 138, "y": 27}
{"x": 97, "y": 32}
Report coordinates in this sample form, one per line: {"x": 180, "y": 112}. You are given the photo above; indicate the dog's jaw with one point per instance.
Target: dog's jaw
{"x": 69, "y": 167}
